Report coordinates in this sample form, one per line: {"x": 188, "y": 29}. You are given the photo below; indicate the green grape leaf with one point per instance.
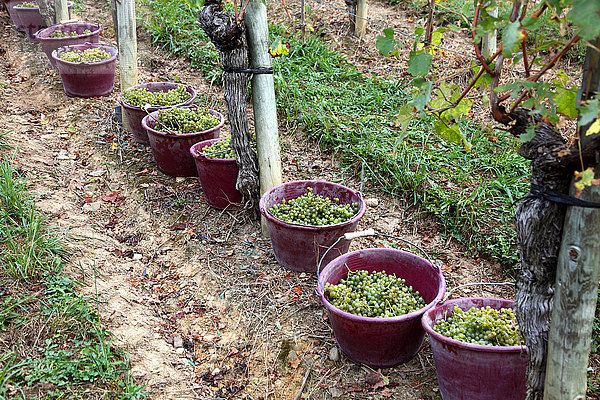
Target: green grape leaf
{"x": 510, "y": 38}
{"x": 419, "y": 64}
{"x": 386, "y": 44}
{"x": 452, "y": 133}
{"x": 404, "y": 117}
{"x": 588, "y": 112}
{"x": 594, "y": 128}
{"x": 565, "y": 102}
{"x": 526, "y": 137}
{"x": 585, "y": 178}
{"x": 422, "y": 96}
{"x": 585, "y": 14}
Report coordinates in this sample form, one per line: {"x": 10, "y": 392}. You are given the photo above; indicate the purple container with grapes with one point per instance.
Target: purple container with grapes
{"x": 299, "y": 247}
{"x": 382, "y": 342}
{"x": 218, "y": 177}
{"x": 172, "y": 151}
{"x": 469, "y": 371}
{"x": 76, "y": 33}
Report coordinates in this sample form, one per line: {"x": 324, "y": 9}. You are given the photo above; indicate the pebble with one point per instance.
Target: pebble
{"x": 179, "y": 350}
{"x": 334, "y": 354}
{"x": 335, "y": 391}
{"x": 137, "y": 256}
{"x": 292, "y": 356}
{"x": 177, "y": 341}
{"x": 95, "y": 206}
{"x": 372, "y": 202}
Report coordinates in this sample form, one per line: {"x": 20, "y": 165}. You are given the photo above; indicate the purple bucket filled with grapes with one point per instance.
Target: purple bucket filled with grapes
{"x": 381, "y": 342}
{"x": 468, "y": 371}
{"x": 299, "y": 247}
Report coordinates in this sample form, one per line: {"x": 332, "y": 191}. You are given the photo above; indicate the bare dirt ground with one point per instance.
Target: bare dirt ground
{"x": 195, "y": 294}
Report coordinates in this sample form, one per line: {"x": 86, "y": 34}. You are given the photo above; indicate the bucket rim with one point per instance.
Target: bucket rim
{"x": 195, "y": 152}
{"x": 110, "y": 49}
{"x": 190, "y": 89}
{"x": 417, "y": 313}
{"x": 427, "y": 323}
{"x": 51, "y": 29}
{"x": 162, "y": 134}
{"x": 362, "y": 207}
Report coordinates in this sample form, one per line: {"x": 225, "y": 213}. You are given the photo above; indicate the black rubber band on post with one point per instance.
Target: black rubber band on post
{"x": 558, "y": 197}
{"x": 255, "y": 71}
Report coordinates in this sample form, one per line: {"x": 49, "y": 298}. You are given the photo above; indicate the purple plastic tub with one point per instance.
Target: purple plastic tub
{"x": 49, "y": 44}
{"x": 218, "y": 177}
{"x": 86, "y": 79}
{"x": 468, "y": 371}
{"x": 29, "y": 20}
{"x": 382, "y": 342}
{"x": 135, "y": 114}
{"x": 12, "y": 13}
{"x": 299, "y": 247}
{"x": 172, "y": 152}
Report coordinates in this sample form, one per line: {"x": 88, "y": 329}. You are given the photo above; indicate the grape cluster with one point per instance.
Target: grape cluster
{"x": 142, "y": 97}
{"x": 59, "y": 34}
{"x": 222, "y": 149}
{"x": 29, "y": 5}
{"x": 313, "y": 209}
{"x": 375, "y": 294}
{"x": 486, "y": 326}
{"x": 92, "y": 55}
{"x": 185, "y": 120}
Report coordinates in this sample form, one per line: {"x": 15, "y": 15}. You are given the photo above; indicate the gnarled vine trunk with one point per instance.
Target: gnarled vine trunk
{"x": 539, "y": 223}
{"x": 229, "y": 36}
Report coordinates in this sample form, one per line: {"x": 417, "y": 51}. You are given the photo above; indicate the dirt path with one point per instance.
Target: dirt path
{"x": 193, "y": 293}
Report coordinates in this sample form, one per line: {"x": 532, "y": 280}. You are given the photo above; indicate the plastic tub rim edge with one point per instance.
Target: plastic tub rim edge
{"x": 182, "y": 135}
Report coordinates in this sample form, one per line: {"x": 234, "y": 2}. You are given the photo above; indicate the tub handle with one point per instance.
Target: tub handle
{"x": 449, "y": 292}
{"x": 367, "y": 232}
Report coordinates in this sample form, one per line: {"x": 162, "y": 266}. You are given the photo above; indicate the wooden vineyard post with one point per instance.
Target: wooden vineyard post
{"x": 361, "y": 18}
{"x": 576, "y": 289}
{"x": 488, "y": 42}
{"x": 263, "y": 100}
{"x": 126, "y": 31}
{"x": 61, "y": 11}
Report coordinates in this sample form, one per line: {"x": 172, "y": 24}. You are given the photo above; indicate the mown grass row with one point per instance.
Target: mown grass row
{"x": 52, "y": 345}
{"x": 344, "y": 111}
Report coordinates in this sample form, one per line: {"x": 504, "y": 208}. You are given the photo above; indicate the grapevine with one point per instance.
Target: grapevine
{"x": 486, "y": 326}
{"x": 313, "y": 209}
{"x": 186, "y": 120}
{"x": 375, "y": 294}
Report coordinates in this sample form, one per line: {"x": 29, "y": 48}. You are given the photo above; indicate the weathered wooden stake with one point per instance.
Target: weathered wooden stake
{"x": 127, "y": 43}
{"x": 361, "y": 21}
{"x": 576, "y": 290}
{"x": 61, "y": 11}
{"x": 263, "y": 100}
{"x": 488, "y": 42}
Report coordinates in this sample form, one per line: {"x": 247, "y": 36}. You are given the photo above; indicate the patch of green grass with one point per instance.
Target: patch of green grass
{"x": 174, "y": 26}
{"x": 52, "y": 345}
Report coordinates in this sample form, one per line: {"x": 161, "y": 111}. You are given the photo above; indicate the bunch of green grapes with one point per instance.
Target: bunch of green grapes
{"x": 375, "y": 294}
{"x": 313, "y": 209}
{"x": 186, "y": 120}
{"x": 222, "y": 149}
{"x": 486, "y": 326}
{"x": 92, "y": 55}
{"x": 141, "y": 97}
{"x": 29, "y": 5}
{"x": 59, "y": 33}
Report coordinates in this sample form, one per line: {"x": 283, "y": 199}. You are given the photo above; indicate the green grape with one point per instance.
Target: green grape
{"x": 185, "y": 120}
{"x": 59, "y": 33}
{"x": 486, "y": 326}
{"x": 374, "y": 294}
{"x": 141, "y": 97}
{"x": 28, "y": 5}
{"x": 92, "y": 55}
{"x": 313, "y": 209}
{"x": 222, "y": 149}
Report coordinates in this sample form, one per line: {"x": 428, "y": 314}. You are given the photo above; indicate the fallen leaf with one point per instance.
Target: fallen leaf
{"x": 294, "y": 364}
{"x": 178, "y": 227}
{"x": 387, "y": 393}
{"x": 297, "y": 290}
{"x": 111, "y": 198}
